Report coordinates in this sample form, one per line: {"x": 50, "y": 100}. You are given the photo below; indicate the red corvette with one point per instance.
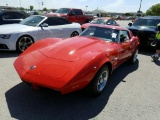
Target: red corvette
{"x": 85, "y": 61}
{"x": 100, "y": 20}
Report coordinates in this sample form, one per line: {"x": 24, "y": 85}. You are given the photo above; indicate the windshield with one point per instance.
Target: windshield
{"x": 107, "y": 34}
{"x": 63, "y": 10}
{"x": 98, "y": 21}
{"x": 32, "y": 20}
{"x": 146, "y": 22}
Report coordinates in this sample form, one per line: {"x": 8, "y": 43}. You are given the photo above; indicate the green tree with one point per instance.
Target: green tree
{"x": 21, "y": 8}
{"x": 154, "y": 10}
{"x": 45, "y": 9}
{"x": 128, "y": 14}
{"x": 31, "y": 7}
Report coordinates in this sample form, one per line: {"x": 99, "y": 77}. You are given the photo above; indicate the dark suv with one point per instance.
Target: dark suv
{"x": 145, "y": 29}
{"x": 11, "y": 16}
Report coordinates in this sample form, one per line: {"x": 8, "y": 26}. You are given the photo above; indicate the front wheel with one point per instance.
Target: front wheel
{"x": 74, "y": 34}
{"x": 23, "y": 43}
{"x": 98, "y": 83}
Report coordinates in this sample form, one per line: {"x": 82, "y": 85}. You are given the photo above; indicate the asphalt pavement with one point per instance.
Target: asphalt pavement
{"x": 133, "y": 93}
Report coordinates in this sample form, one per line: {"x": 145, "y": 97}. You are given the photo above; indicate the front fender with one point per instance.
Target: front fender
{"x": 40, "y": 44}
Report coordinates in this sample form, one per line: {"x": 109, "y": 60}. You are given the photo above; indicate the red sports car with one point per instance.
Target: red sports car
{"x": 85, "y": 61}
{"x": 100, "y": 20}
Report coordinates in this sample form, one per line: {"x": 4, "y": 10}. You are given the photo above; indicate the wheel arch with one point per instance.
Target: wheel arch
{"x": 107, "y": 63}
{"x": 24, "y": 35}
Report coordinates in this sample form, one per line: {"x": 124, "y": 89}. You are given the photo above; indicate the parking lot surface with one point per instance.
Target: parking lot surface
{"x": 133, "y": 93}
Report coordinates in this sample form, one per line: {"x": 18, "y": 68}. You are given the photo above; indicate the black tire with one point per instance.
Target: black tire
{"x": 133, "y": 59}
{"x": 23, "y": 43}
{"x": 75, "y": 33}
{"x": 98, "y": 83}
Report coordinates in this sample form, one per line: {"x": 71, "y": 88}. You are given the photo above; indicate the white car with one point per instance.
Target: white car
{"x": 20, "y": 36}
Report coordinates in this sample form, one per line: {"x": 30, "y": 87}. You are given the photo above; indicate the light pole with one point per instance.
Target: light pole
{"x": 6, "y": 3}
{"x": 42, "y": 5}
{"x": 20, "y": 3}
{"x": 86, "y": 8}
{"x": 140, "y": 5}
{"x": 39, "y": 5}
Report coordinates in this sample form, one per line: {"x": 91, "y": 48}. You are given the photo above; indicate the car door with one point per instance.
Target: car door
{"x": 125, "y": 50}
{"x": 76, "y": 16}
{"x": 51, "y": 30}
{"x": 55, "y": 28}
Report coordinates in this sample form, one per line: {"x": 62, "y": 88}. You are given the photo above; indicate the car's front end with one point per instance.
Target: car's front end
{"x": 146, "y": 36}
{"x": 10, "y": 33}
{"x": 145, "y": 29}
{"x": 8, "y": 41}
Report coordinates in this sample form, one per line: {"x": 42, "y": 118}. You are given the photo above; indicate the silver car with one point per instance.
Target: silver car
{"x": 20, "y": 36}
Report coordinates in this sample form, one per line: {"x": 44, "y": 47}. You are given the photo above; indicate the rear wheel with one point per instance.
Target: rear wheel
{"x": 74, "y": 34}
{"x": 23, "y": 43}
{"x": 98, "y": 83}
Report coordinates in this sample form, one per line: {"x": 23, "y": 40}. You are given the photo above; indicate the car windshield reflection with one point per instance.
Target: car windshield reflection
{"x": 32, "y": 20}
{"x": 106, "y": 34}
{"x": 146, "y": 22}
{"x": 63, "y": 10}
{"x": 98, "y": 21}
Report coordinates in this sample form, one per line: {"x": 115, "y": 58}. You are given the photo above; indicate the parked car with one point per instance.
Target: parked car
{"x": 100, "y": 20}
{"x": 21, "y": 36}
{"x": 11, "y": 16}
{"x": 73, "y": 15}
{"x": 84, "y": 61}
{"x": 145, "y": 29}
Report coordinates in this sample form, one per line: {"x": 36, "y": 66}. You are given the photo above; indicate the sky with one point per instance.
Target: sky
{"x": 89, "y": 5}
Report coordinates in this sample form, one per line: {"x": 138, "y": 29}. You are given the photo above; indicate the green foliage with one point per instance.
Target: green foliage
{"x": 154, "y": 10}
{"x": 128, "y": 14}
{"x": 31, "y": 7}
{"x": 21, "y": 8}
{"x": 44, "y": 9}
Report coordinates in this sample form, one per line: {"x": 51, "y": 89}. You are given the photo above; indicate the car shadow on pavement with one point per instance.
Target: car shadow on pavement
{"x": 7, "y": 54}
{"x": 25, "y": 103}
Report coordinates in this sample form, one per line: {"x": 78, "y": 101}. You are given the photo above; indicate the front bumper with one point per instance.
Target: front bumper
{"x": 146, "y": 37}
{"x": 8, "y": 44}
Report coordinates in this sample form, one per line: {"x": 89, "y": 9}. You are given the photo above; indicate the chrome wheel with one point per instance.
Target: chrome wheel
{"x": 135, "y": 55}
{"x": 98, "y": 83}
{"x": 74, "y": 34}
{"x": 23, "y": 43}
{"x": 102, "y": 81}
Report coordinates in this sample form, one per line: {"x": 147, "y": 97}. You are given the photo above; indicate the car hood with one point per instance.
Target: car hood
{"x": 15, "y": 28}
{"x": 72, "y": 49}
{"x": 144, "y": 28}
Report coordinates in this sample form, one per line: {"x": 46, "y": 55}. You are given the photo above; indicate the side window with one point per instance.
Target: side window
{"x": 73, "y": 12}
{"x": 18, "y": 16}
{"x": 62, "y": 21}
{"x": 7, "y": 16}
{"x": 125, "y": 33}
{"x": 79, "y": 12}
{"x": 109, "y": 22}
{"x": 55, "y": 21}
{"x": 113, "y": 22}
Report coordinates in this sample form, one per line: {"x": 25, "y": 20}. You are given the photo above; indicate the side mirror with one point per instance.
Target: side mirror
{"x": 122, "y": 38}
{"x": 44, "y": 25}
{"x": 129, "y": 24}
